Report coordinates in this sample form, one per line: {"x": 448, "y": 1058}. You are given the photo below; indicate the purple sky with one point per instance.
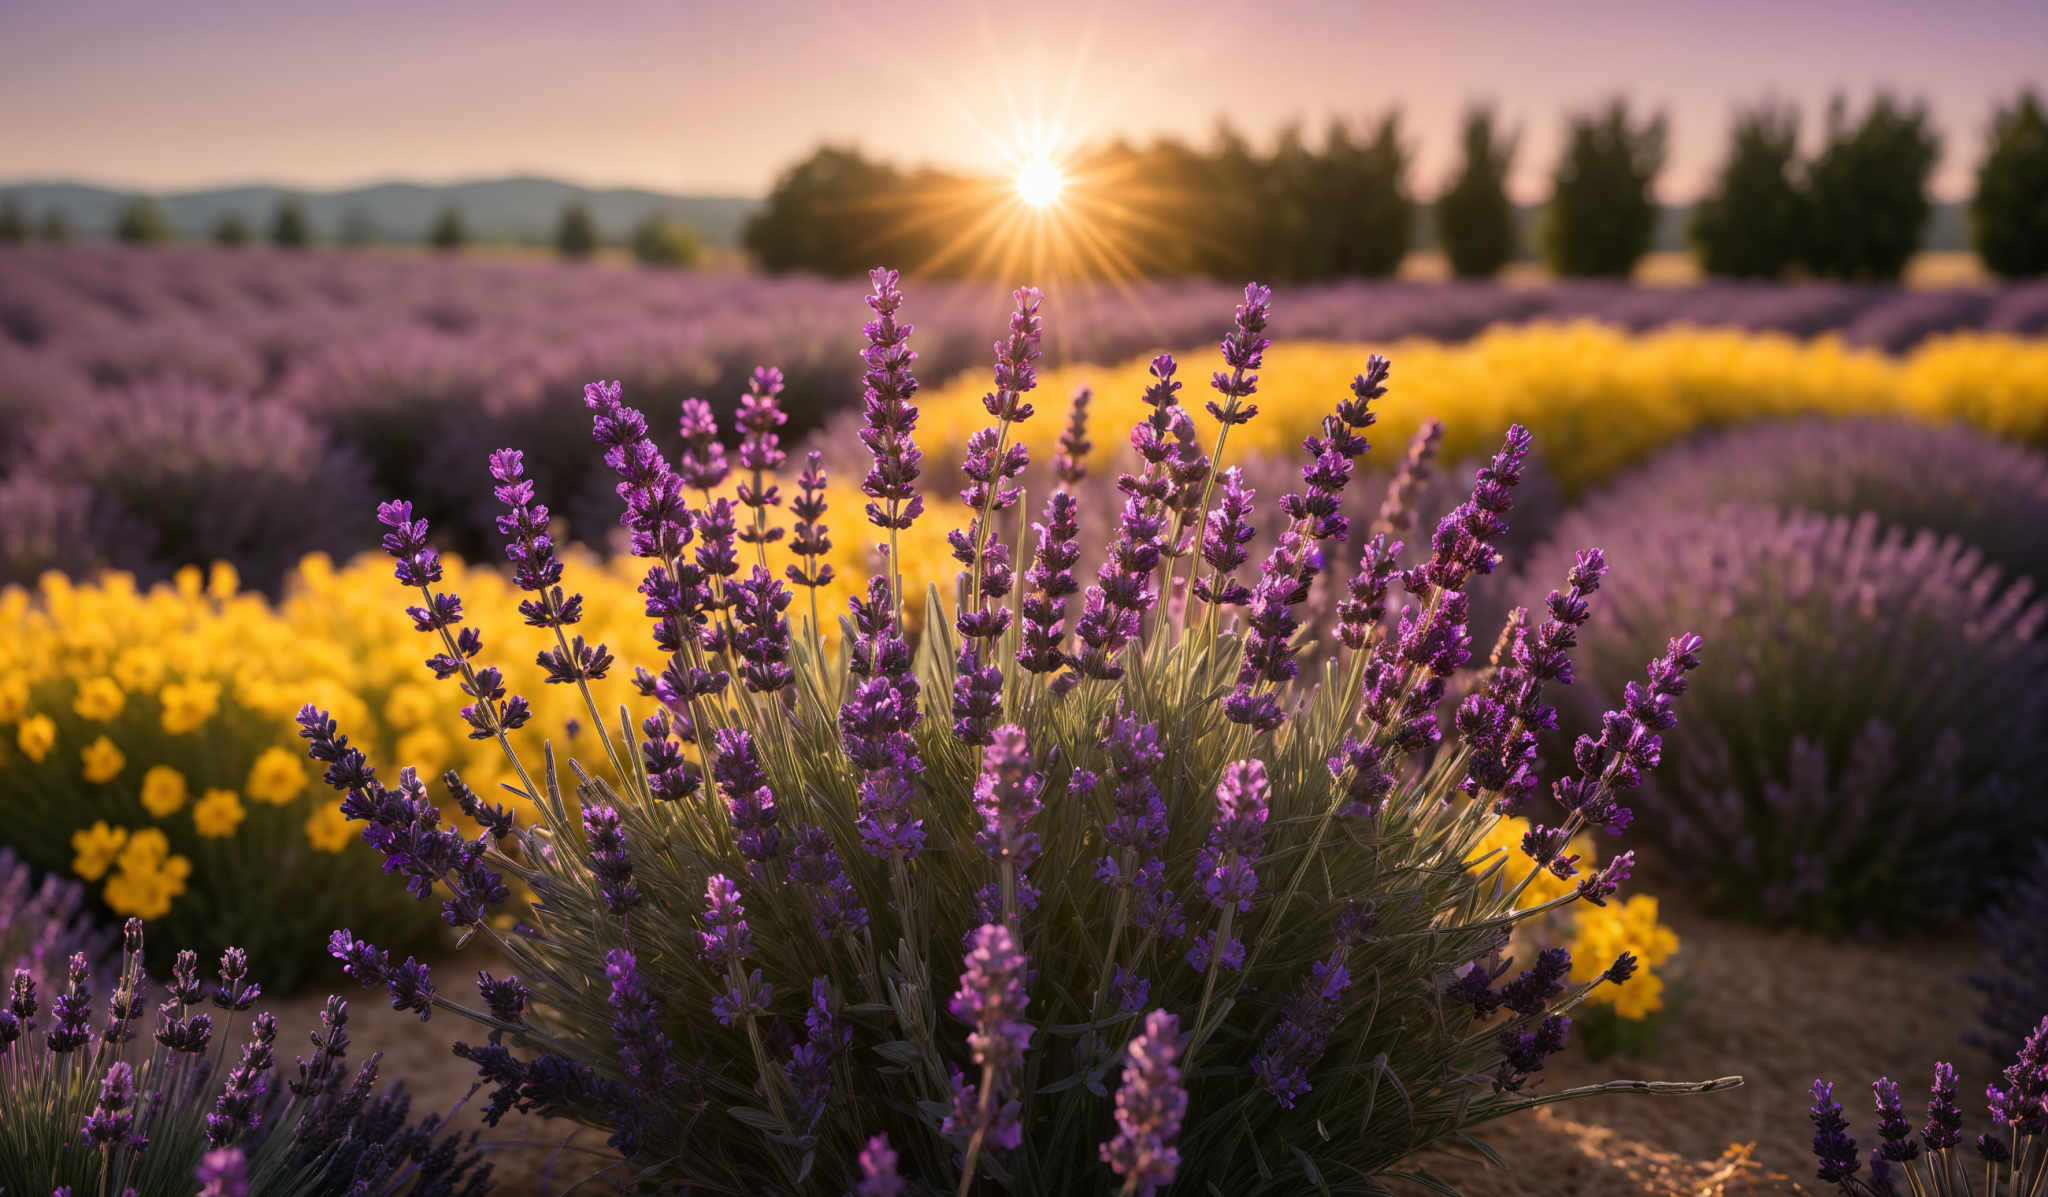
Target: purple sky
{"x": 717, "y": 96}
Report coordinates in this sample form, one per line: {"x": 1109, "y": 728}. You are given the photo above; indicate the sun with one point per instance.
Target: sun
{"x": 1039, "y": 182}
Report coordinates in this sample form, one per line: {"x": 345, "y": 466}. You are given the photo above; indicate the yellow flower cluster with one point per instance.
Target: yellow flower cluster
{"x": 1597, "y": 934}
{"x": 147, "y": 874}
{"x": 1601, "y": 933}
{"x": 1597, "y": 398}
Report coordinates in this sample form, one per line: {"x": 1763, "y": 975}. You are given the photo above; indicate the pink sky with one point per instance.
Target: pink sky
{"x": 719, "y": 96}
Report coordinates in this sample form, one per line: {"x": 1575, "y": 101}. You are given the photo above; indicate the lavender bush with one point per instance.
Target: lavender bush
{"x": 1949, "y": 479}
{"x": 2010, "y": 1159}
{"x": 44, "y": 924}
{"x": 2015, "y": 986}
{"x": 1861, "y": 756}
{"x": 191, "y": 474}
{"x": 105, "y": 1109}
{"x": 1093, "y": 888}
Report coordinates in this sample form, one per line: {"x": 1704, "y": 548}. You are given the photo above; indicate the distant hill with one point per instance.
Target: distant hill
{"x": 520, "y": 210}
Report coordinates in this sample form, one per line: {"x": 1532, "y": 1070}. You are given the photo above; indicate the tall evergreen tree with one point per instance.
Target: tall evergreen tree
{"x": 1752, "y": 223}
{"x": 141, "y": 222}
{"x": 1475, "y": 220}
{"x": 1603, "y": 209}
{"x": 1868, "y": 188}
{"x": 448, "y": 233}
{"x": 288, "y": 228}
{"x": 2009, "y": 213}
{"x": 575, "y": 235}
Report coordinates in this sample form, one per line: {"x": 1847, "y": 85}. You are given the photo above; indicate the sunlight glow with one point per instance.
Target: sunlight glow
{"x": 1039, "y": 182}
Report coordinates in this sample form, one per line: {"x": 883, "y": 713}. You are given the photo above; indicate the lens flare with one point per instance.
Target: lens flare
{"x": 1039, "y": 182}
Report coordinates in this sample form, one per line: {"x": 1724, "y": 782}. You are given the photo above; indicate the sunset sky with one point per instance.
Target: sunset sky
{"x": 717, "y": 97}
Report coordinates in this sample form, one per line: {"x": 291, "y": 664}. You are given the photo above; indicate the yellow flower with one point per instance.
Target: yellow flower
{"x": 222, "y": 581}
{"x": 163, "y": 791}
{"x": 99, "y": 699}
{"x": 327, "y": 830}
{"x": 104, "y": 761}
{"x": 1502, "y": 844}
{"x": 140, "y": 670}
{"x": 95, "y": 848}
{"x": 149, "y": 879}
{"x": 1605, "y": 932}
{"x": 13, "y": 697}
{"x": 277, "y": 777}
{"x": 409, "y": 706}
{"x": 217, "y": 814}
{"x": 426, "y": 750}
{"x": 37, "y": 736}
{"x": 188, "y": 705}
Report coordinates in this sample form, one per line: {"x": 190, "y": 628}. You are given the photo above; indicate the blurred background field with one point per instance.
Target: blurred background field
{"x": 1781, "y": 336}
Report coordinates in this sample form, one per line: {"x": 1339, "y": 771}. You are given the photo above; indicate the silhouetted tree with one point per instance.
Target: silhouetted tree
{"x": 1603, "y": 209}
{"x": 575, "y": 236}
{"x": 2009, "y": 213}
{"x": 231, "y": 230}
{"x": 663, "y": 241}
{"x": 141, "y": 222}
{"x": 288, "y": 229}
{"x": 55, "y": 228}
{"x": 448, "y": 233}
{"x": 836, "y": 212}
{"x": 1868, "y": 188}
{"x": 1752, "y": 223}
{"x": 1475, "y": 220}
{"x": 1361, "y": 217}
{"x": 13, "y": 225}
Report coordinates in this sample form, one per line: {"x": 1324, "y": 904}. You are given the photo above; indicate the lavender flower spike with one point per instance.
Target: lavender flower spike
{"x": 1149, "y": 1108}
{"x": 761, "y": 454}
{"x": 1043, "y": 647}
{"x": 608, "y": 860}
{"x": 1070, "y": 462}
{"x": 1244, "y": 348}
{"x": 991, "y": 999}
{"x": 810, "y": 540}
{"x": 1833, "y": 1147}
{"x": 1006, "y": 797}
{"x": 891, "y": 417}
{"x": 878, "y": 1174}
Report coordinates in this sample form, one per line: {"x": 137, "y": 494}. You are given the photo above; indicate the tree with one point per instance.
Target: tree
{"x": 13, "y": 225}
{"x": 1752, "y": 223}
{"x": 663, "y": 241}
{"x": 55, "y": 227}
{"x": 141, "y": 222}
{"x": 288, "y": 229}
{"x": 1868, "y": 188}
{"x": 448, "y": 233}
{"x": 1602, "y": 210}
{"x": 231, "y": 230}
{"x": 836, "y": 212}
{"x": 1360, "y": 215}
{"x": 575, "y": 235}
{"x": 2009, "y": 213}
{"x": 1475, "y": 222}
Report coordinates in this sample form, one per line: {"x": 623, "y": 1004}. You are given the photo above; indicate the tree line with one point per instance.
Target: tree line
{"x": 1343, "y": 206}
{"x": 657, "y": 240}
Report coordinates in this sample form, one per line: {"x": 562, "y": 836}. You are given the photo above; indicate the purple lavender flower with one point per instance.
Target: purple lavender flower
{"x": 991, "y": 999}
{"x": 1833, "y": 1147}
{"x": 758, "y": 602}
{"x": 1224, "y": 541}
{"x": 1228, "y": 862}
{"x": 1944, "y": 1127}
{"x": 1051, "y": 577}
{"x": 72, "y": 1010}
{"x": 1150, "y": 1105}
{"x": 752, "y": 805}
{"x": 1397, "y": 510}
{"x": 875, "y": 725}
{"x": 1006, "y": 798}
{"x": 1896, "y": 1133}
{"x": 608, "y": 860}
{"x": 653, "y": 494}
{"x": 535, "y": 568}
{"x": 728, "y": 939}
{"x": 827, "y": 1037}
{"x": 111, "y": 1120}
{"x": 1359, "y": 615}
{"x": 878, "y": 1175}
{"x": 836, "y": 909}
{"x": 1070, "y": 461}
{"x": 1298, "y": 1041}
{"x": 891, "y": 417}
{"x": 760, "y": 414}
{"x": 1243, "y": 351}
{"x": 409, "y": 985}
{"x": 646, "y": 1054}
{"x": 1122, "y": 594}
{"x": 234, "y": 1111}
{"x": 223, "y": 1172}
{"x": 504, "y": 997}
{"x": 701, "y": 465}
{"x": 492, "y": 713}
{"x": 809, "y": 539}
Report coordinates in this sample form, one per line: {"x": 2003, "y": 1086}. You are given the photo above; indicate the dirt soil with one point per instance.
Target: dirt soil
{"x": 1778, "y": 1008}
